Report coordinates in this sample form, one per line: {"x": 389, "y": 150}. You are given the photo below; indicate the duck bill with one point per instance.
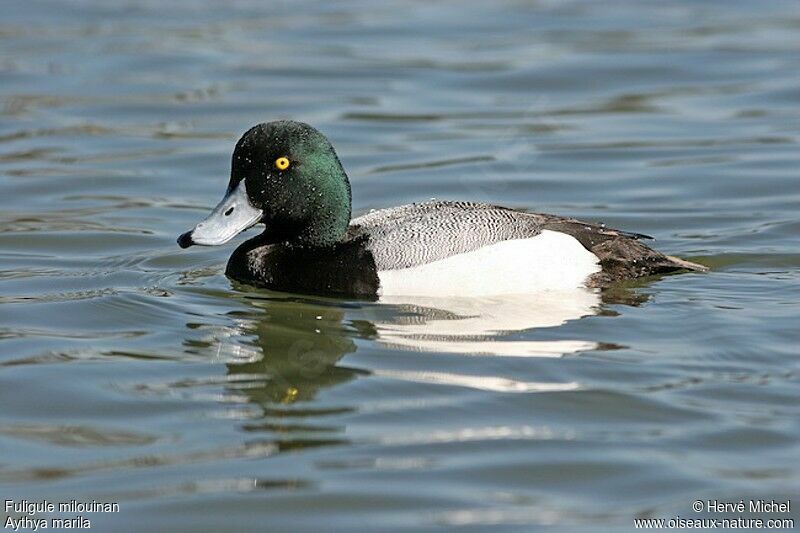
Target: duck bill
{"x": 233, "y": 215}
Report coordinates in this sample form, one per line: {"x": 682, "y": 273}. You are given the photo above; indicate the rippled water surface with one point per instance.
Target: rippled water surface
{"x": 135, "y": 372}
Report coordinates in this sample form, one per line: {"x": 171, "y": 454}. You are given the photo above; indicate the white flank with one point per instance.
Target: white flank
{"x": 548, "y": 261}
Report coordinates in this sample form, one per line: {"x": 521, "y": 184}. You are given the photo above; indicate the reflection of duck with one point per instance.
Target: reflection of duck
{"x": 287, "y": 175}
{"x": 299, "y": 343}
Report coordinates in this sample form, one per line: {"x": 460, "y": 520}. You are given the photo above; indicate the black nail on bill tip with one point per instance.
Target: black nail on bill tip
{"x": 185, "y": 240}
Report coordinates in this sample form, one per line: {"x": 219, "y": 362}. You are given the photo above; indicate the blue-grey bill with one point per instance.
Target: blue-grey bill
{"x": 231, "y": 216}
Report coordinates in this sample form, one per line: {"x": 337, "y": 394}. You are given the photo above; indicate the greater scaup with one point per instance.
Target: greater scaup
{"x": 286, "y": 175}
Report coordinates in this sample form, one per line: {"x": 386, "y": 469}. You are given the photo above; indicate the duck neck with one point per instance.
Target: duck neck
{"x": 321, "y": 222}
{"x": 326, "y": 227}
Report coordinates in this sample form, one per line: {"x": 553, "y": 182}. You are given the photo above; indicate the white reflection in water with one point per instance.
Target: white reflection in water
{"x": 488, "y": 383}
{"x": 485, "y": 433}
{"x": 482, "y": 325}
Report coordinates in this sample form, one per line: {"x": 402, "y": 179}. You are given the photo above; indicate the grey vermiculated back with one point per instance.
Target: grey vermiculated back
{"x": 415, "y": 234}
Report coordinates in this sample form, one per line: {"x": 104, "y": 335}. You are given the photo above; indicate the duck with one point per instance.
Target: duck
{"x": 286, "y": 175}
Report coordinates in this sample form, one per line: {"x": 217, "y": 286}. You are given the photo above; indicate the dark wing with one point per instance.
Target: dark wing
{"x": 415, "y": 234}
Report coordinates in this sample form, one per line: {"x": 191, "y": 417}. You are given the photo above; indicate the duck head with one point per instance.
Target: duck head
{"x": 286, "y": 175}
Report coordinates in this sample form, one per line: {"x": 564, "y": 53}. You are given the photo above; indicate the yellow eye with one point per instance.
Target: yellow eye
{"x": 282, "y": 163}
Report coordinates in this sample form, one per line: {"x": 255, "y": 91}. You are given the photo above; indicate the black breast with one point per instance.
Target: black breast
{"x": 346, "y": 269}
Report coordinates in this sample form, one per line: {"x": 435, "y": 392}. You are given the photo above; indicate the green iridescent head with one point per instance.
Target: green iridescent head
{"x": 286, "y": 175}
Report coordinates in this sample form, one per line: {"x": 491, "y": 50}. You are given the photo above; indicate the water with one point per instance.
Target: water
{"x": 134, "y": 372}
